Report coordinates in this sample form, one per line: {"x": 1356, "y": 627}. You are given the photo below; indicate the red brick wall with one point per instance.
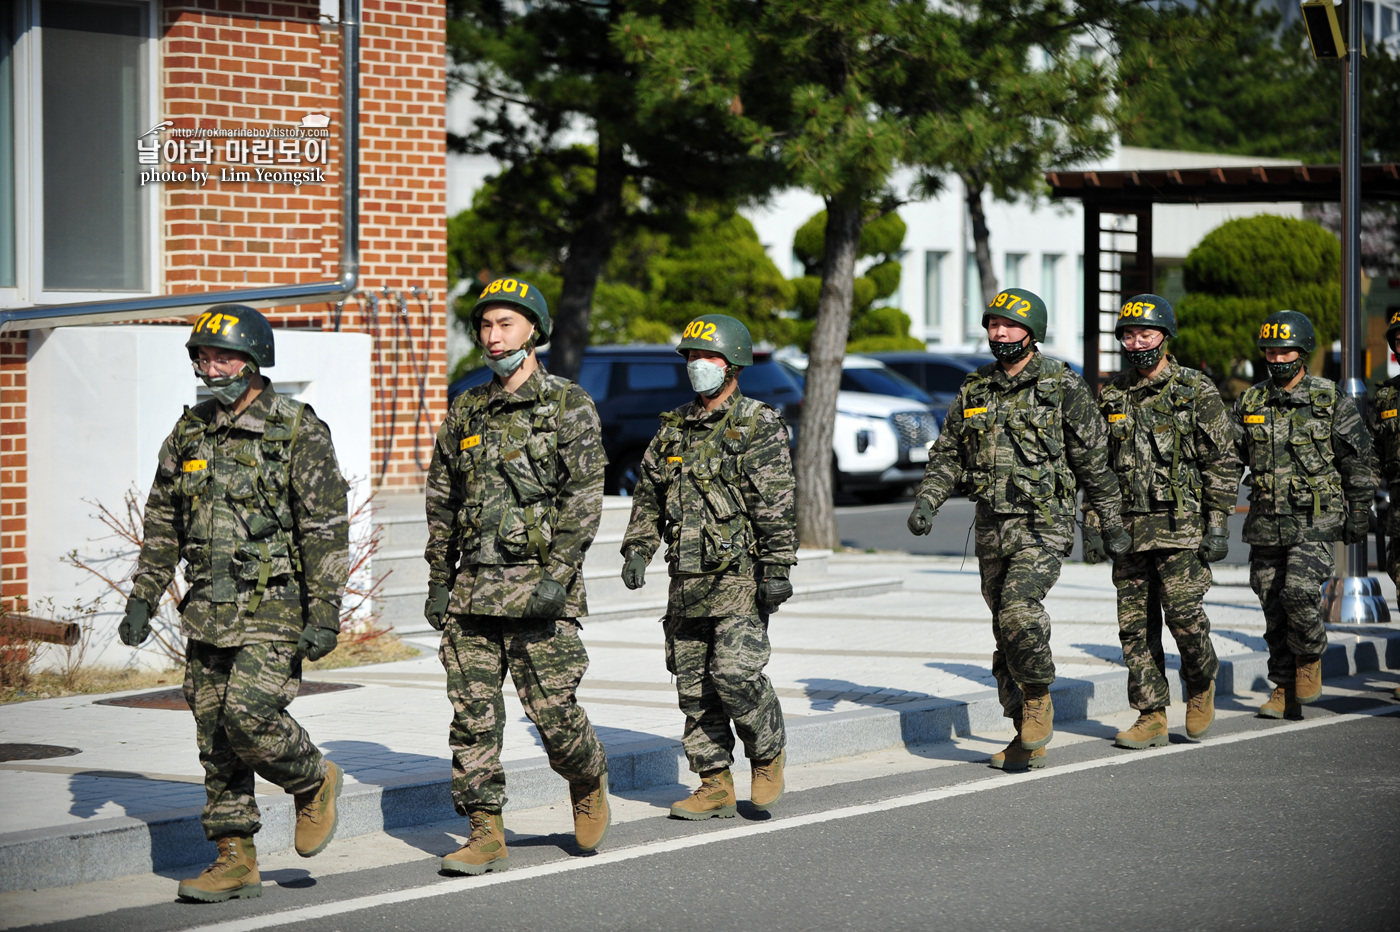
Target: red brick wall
{"x": 13, "y": 473}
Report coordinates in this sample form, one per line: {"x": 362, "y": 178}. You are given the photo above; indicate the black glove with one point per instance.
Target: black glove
{"x": 634, "y": 571}
{"x": 1094, "y": 551}
{"x": 135, "y": 625}
{"x": 1358, "y": 522}
{"x": 1116, "y": 540}
{"x": 435, "y": 608}
{"x": 547, "y": 601}
{"x": 773, "y": 588}
{"x": 921, "y": 518}
{"x": 316, "y": 642}
{"x": 1215, "y": 545}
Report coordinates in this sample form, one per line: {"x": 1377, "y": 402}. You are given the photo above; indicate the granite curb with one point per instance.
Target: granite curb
{"x": 114, "y": 847}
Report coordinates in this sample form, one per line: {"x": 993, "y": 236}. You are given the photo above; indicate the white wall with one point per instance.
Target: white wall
{"x": 101, "y": 401}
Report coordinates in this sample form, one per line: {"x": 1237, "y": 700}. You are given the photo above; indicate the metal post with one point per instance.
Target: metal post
{"x": 1352, "y": 596}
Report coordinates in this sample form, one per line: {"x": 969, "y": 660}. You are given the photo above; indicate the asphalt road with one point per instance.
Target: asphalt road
{"x": 1267, "y": 825}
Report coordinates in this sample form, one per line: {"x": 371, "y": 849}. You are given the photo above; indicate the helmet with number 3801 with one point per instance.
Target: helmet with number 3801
{"x": 1287, "y": 329}
{"x": 1022, "y": 307}
{"x": 234, "y": 327}
{"x": 718, "y": 333}
{"x": 519, "y": 294}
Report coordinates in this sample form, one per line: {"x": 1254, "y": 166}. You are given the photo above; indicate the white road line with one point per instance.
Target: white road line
{"x": 466, "y": 885}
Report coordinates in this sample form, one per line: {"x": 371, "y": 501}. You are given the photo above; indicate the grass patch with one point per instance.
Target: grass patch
{"x": 382, "y": 646}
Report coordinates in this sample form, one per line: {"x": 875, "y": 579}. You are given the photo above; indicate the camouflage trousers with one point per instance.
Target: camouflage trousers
{"x": 718, "y": 665}
{"x": 1013, "y": 587}
{"x": 1288, "y": 581}
{"x": 1153, "y": 584}
{"x": 239, "y": 696}
{"x": 546, "y": 660}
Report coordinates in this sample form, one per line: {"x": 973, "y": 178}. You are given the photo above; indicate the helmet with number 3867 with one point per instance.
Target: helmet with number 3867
{"x": 1022, "y": 307}
{"x": 1146, "y": 310}
{"x": 1287, "y": 329}
{"x": 234, "y": 327}
{"x": 718, "y": 333}
{"x": 519, "y": 294}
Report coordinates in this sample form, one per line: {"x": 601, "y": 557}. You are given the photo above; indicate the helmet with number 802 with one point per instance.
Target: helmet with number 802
{"x": 1021, "y": 306}
{"x": 718, "y": 333}
{"x": 517, "y": 293}
{"x": 1146, "y": 310}
{"x": 234, "y": 327}
{"x": 1287, "y": 329}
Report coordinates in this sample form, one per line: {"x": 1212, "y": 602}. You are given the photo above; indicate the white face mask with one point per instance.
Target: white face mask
{"x": 505, "y": 365}
{"x": 705, "y": 377}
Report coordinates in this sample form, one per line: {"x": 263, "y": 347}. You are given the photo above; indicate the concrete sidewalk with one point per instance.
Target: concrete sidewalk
{"x": 855, "y": 674}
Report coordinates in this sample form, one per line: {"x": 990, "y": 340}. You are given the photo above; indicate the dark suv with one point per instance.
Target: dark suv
{"x": 633, "y": 385}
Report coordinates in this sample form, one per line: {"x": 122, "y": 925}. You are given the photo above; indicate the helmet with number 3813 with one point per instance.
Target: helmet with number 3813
{"x": 718, "y": 333}
{"x": 1285, "y": 330}
{"x": 234, "y": 327}
{"x": 516, "y": 293}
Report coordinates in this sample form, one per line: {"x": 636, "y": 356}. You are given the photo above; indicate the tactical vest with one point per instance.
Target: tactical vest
{"x": 505, "y": 465}
{"x": 1014, "y": 445}
{"x": 706, "y": 529}
{"x": 235, "y": 508}
{"x": 1387, "y": 431}
{"x": 1291, "y": 464}
{"x": 1152, "y": 446}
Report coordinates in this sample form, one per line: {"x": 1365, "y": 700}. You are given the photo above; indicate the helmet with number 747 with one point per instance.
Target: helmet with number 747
{"x": 718, "y": 333}
{"x": 234, "y": 327}
{"x": 1285, "y": 330}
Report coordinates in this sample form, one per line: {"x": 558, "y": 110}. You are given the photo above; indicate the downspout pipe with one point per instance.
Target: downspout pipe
{"x": 176, "y": 305}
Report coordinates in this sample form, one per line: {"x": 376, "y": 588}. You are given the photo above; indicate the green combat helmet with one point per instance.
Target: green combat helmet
{"x": 718, "y": 333}
{"x": 234, "y": 327}
{"x": 1146, "y": 310}
{"x": 1288, "y": 329}
{"x": 1022, "y": 306}
{"x": 1392, "y": 328}
{"x": 519, "y": 294}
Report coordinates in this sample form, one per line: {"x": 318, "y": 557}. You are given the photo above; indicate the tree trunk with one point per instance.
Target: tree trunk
{"x": 588, "y": 251}
{"x": 816, "y": 516}
{"x": 981, "y": 239}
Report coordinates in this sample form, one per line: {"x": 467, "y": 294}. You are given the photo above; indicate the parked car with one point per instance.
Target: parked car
{"x": 881, "y": 442}
{"x": 633, "y": 385}
{"x": 938, "y": 374}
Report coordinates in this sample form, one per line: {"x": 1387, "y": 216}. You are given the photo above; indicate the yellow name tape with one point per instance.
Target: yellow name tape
{"x": 1386, "y": 415}
{"x": 673, "y": 459}
{"x": 1116, "y": 417}
{"x": 1254, "y": 418}
{"x": 195, "y": 465}
{"x": 969, "y": 412}
{"x": 469, "y": 442}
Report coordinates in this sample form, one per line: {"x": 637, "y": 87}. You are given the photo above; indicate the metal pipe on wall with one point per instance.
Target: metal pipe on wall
{"x": 124, "y": 309}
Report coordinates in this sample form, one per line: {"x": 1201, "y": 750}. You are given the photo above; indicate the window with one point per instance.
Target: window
{"x": 933, "y": 296}
{"x": 1014, "y": 261}
{"x": 1050, "y": 292}
{"x": 972, "y": 299}
{"x": 77, "y": 222}
{"x": 654, "y": 376}
{"x": 593, "y": 377}
{"x": 1079, "y": 299}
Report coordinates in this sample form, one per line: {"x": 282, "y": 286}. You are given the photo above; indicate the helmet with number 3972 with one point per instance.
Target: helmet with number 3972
{"x": 1022, "y": 306}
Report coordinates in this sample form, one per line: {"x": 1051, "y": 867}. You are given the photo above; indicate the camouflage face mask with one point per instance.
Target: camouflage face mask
{"x": 1009, "y": 352}
{"x": 228, "y": 390}
{"x": 1144, "y": 359}
{"x": 1283, "y": 372}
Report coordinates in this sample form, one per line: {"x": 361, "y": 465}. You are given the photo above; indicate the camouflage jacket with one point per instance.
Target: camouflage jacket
{"x": 515, "y": 490}
{"x": 1308, "y": 454}
{"x": 256, "y": 507}
{"x": 1383, "y": 417}
{"x": 1024, "y": 445}
{"x": 1175, "y": 450}
{"x": 718, "y": 488}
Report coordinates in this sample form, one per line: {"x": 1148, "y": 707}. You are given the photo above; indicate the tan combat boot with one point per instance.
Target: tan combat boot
{"x": 316, "y": 814}
{"x": 484, "y": 851}
{"x": 1307, "y": 688}
{"x": 1149, "y": 731}
{"x": 234, "y": 874}
{"x": 1037, "y": 717}
{"x": 1200, "y": 712}
{"x": 592, "y": 814}
{"x": 1281, "y": 704}
{"x": 714, "y": 798}
{"x": 1015, "y": 758}
{"x": 767, "y": 786}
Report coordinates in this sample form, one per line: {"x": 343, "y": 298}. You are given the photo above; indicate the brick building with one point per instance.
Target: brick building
{"x": 96, "y": 207}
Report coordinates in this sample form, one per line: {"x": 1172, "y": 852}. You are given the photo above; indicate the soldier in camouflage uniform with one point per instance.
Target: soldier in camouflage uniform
{"x": 1024, "y": 434}
{"x": 1383, "y": 418}
{"x": 716, "y": 484}
{"x": 248, "y": 494}
{"x": 1311, "y": 482}
{"x": 1173, "y": 446}
{"x": 515, "y": 494}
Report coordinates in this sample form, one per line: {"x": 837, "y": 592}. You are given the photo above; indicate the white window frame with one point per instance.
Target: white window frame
{"x": 29, "y": 164}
